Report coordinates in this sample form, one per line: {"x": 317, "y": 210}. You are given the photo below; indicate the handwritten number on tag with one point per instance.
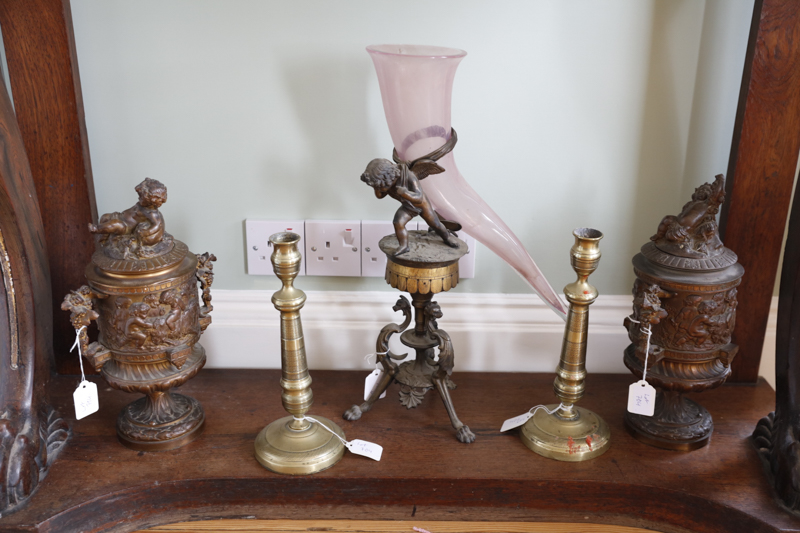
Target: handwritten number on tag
{"x": 85, "y": 397}
{"x": 367, "y": 449}
{"x": 356, "y": 446}
{"x": 641, "y": 398}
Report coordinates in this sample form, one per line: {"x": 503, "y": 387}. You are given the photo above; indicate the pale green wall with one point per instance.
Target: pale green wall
{"x": 603, "y": 114}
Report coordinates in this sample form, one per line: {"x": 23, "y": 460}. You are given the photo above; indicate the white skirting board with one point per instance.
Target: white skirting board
{"x": 490, "y": 332}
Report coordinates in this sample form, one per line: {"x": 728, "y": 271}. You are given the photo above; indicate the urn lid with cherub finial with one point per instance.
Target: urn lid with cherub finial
{"x": 690, "y": 240}
{"x": 135, "y": 240}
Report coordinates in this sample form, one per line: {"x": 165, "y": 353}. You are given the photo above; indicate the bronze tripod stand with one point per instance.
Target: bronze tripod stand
{"x": 429, "y": 268}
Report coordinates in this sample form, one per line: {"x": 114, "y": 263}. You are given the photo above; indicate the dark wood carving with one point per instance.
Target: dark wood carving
{"x": 31, "y": 432}
{"x": 721, "y": 489}
{"x": 685, "y": 294}
{"x": 143, "y": 294}
{"x": 45, "y": 84}
{"x": 777, "y": 436}
{"x": 762, "y": 168}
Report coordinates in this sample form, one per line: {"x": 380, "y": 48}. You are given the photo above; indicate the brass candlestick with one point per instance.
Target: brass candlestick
{"x": 572, "y": 433}
{"x": 294, "y": 444}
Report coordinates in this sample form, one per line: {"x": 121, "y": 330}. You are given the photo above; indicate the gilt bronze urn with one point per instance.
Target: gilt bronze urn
{"x": 143, "y": 292}
{"x": 685, "y": 295}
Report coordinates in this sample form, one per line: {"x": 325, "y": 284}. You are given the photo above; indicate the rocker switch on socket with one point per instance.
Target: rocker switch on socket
{"x": 333, "y": 247}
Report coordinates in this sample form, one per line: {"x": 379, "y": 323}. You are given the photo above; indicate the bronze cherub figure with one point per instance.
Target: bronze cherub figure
{"x": 402, "y": 183}
{"x": 138, "y": 232}
{"x": 693, "y": 233}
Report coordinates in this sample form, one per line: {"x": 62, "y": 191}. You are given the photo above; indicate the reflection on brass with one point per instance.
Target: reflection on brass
{"x": 142, "y": 290}
{"x": 685, "y": 290}
{"x": 293, "y": 444}
{"x": 400, "y": 180}
{"x": 11, "y": 304}
{"x": 572, "y": 433}
{"x": 428, "y": 268}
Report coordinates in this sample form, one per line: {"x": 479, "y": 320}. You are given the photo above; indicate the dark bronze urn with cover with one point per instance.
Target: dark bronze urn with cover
{"x": 685, "y": 295}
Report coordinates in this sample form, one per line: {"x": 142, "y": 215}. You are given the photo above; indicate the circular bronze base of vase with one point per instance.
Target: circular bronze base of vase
{"x": 683, "y": 428}
{"x": 584, "y": 437}
{"x": 163, "y": 422}
{"x": 286, "y": 451}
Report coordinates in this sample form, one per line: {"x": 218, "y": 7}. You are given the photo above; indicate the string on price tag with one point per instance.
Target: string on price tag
{"x": 356, "y": 446}
{"x": 642, "y": 395}
{"x": 85, "y": 396}
{"x": 517, "y": 421}
{"x": 373, "y": 377}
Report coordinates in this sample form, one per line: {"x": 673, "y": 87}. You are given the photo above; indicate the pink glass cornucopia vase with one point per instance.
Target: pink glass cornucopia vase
{"x": 416, "y": 86}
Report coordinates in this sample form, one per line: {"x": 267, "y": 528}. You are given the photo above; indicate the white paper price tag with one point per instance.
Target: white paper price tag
{"x": 641, "y": 398}
{"x": 356, "y": 446}
{"x": 370, "y": 382}
{"x": 367, "y": 449}
{"x": 85, "y": 397}
{"x": 517, "y": 421}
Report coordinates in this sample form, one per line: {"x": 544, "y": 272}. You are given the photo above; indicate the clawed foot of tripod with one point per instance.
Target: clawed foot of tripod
{"x": 465, "y": 435}
{"x": 354, "y": 413}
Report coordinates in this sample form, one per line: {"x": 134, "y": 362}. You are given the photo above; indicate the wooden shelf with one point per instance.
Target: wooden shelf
{"x": 425, "y": 474}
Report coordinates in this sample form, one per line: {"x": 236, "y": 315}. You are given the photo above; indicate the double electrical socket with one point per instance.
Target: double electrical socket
{"x": 259, "y": 248}
{"x": 335, "y": 247}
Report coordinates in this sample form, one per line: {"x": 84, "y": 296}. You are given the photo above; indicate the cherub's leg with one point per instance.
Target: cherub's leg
{"x": 463, "y": 433}
{"x": 401, "y": 218}
{"x": 433, "y": 221}
{"x": 116, "y": 227}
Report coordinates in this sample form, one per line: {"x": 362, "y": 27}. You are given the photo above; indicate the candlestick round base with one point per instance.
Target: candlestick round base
{"x": 286, "y": 451}
{"x": 584, "y": 437}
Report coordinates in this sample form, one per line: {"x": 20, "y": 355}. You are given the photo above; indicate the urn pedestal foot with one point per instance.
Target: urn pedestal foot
{"x": 582, "y": 437}
{"x": 160, "y": 421}
{"x": 308, "y": 450}
{"x": 678, "y": 423}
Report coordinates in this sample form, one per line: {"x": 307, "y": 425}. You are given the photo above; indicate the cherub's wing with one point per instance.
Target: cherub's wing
{"x": 425, "y": 167}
